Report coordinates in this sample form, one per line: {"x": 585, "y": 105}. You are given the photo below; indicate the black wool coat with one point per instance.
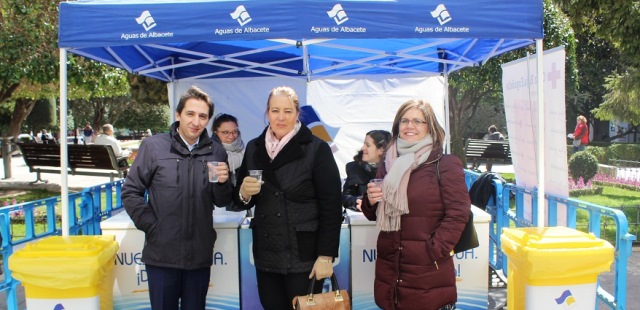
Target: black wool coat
{"x": 298, "y": 211}
{"x": 358, "y": 176}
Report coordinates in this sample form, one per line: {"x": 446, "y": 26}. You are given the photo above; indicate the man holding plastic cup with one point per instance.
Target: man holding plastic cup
{"x": 184, "y": 174}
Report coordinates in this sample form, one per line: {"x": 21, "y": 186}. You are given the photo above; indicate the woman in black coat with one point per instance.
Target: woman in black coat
{"x": 363, "y": 168}
{"x": 296, "y": 227}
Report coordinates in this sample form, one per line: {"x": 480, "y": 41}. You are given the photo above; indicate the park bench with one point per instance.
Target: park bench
{"x": 93, "y": 160}
{"x": 479, "y": 151}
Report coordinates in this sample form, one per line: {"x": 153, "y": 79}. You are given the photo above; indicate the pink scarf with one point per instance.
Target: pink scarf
{"x": 273, "y": 145}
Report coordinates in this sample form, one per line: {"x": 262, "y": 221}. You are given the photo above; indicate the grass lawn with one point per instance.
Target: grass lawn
{"x": 29, "y": 195}
{"x": 614, "y": 197}
{"x": 17, "y": 226}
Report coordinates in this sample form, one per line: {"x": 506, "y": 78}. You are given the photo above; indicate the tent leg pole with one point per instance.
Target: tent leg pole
{"x": 541, "y": 140}
{"x": 64, "y": 186}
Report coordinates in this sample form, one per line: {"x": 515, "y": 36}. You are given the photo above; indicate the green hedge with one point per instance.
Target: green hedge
{"x": 583, "y": 165}
{"x": 621, "y": 151}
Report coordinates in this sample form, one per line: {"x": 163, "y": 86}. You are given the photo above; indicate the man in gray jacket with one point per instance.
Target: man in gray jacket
{"x": 177, "y": 218}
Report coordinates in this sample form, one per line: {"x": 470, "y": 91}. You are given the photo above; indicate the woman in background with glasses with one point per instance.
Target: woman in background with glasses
{"x": 225, "y": 130}
{"x": 421, "y": 210}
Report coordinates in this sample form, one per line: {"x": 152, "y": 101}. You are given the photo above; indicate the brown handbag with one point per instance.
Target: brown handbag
{"x": 335, "y": 300}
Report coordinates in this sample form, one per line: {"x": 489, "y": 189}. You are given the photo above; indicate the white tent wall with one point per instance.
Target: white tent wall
{"x": 347, "y": 108}
{"x": 356, "y": 106}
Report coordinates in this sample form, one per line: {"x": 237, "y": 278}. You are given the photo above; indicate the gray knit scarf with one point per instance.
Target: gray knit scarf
{"x": 235, "y": 152}
{"x": 402, "y": 157}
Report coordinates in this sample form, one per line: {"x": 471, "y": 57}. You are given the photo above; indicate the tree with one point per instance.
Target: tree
{"x": 618, "y": 24}
{"x": 596, "y": 58}
{"x": 622, "y": 100}
{"x": 143, "y": 116}
{"x": 43, "y": 115}
{"x": 145, "y": 90}
{"x": 29, "y": 39}
{"x": 28, "y": 36}
{"x": 616, "y": 21}
{"x": 29, "y": 55}
{"x": 472, "y": 88}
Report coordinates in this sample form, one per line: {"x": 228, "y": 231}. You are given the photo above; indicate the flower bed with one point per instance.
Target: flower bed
{"x": 603, "y": 179}
{"x": 580, "y": 188}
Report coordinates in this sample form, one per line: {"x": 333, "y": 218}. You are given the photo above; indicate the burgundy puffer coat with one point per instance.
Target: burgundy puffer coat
{"x": 414, "y": 267}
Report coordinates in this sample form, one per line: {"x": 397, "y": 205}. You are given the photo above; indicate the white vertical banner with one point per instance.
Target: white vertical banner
{"x": 519, "y": 84}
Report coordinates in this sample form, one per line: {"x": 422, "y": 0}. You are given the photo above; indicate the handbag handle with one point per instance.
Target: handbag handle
{"x": 334, "y": 286}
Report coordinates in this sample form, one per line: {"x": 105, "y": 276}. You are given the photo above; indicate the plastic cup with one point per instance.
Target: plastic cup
{"x": 213, "y": 175}
{"x": 256, "y": 174}
{"x": 377, "y": 182}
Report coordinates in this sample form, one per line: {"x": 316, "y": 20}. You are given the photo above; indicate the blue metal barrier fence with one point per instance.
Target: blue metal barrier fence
{"x": 507, "y": 209}
{"x": 89, "y": 207}
{"x": 86, "y": 210}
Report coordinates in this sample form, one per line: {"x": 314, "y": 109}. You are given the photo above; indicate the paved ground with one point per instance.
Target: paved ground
{"x": 21, "y": 177}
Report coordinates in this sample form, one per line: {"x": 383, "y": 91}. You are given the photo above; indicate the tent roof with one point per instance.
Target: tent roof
{"x": 180, "y": 39}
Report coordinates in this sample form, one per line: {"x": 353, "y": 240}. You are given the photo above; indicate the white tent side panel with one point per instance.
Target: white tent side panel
{"x": 347, "y": 108}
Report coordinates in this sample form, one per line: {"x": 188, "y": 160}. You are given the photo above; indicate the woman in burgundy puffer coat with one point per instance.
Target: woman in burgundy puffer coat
{"x": 419, "y": 222}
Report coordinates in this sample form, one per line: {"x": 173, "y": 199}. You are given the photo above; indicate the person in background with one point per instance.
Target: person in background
{"x": 88, "y": 134}
{"x": 225, "y": 130}
{"x": 171, "y": 168}
{"x": 363, "y": 168}
{"x": 420, "y": 216}
{"x": 298, "y": 214}
{"x": 494, "y": 134}
{"x": 107, "y": 138}
{"x": 580, "y": 135}
{"x": 146, "y": 134}
{"x": 47, "y": 137}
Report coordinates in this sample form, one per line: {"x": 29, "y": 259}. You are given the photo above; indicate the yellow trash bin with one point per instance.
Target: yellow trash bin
{"x": 73, "y": 272}
{"x": 553, "y": 267}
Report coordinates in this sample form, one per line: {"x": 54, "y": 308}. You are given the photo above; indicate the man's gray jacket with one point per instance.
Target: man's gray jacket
{"x": 177, "y": 219}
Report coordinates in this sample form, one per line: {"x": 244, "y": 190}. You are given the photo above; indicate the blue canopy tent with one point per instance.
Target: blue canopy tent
{"x": 172, "y": 40}
{"x": 177, "y": 39}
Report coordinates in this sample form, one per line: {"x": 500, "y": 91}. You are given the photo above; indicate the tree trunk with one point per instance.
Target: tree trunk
{"x": 20, "y": 113}
{"x": 99, "y": 111}
{"x": 457, "y": 145}
{"x": 5, "y": 93}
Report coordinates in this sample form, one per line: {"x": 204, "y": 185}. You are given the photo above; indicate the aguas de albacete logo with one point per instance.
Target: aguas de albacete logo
{"x": 443, "y": 16}
{"x": 147, "y": 22}
{"x": 339, "y": 15}
{"x": 242, "y": 16}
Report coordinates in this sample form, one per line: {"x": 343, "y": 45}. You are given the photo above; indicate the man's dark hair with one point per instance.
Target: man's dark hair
{"x": 195, "y": 93}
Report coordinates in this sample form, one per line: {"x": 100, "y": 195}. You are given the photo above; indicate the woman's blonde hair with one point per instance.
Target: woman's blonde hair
{"x": 433, "y": 127}
{"x": 582, "y": 119}
{"x": 284, "y": 91}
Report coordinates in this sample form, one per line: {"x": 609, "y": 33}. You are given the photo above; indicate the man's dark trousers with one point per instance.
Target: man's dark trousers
{"x": 169, "y": 287}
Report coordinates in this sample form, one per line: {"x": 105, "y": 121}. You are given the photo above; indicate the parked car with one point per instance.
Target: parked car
{"x": 25, "y": 137}
{"x": 71, "y": 139}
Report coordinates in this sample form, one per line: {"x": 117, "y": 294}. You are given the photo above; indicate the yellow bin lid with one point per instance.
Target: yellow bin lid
{"x": 64, "y": 262}
{"x": 556, "y": 251}
{"x": 72, "y": 246}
